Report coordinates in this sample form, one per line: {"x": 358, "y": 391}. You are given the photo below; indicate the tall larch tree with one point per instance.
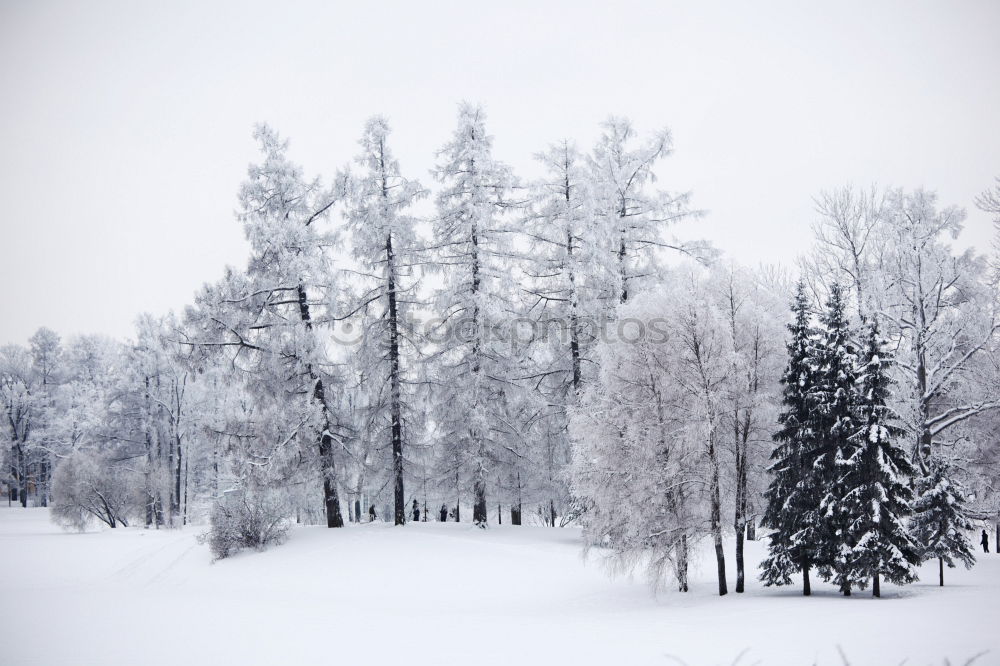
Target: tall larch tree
{"x": 265, "y": 321}
{"x": 377, "y": 213}
{"x": 561, "y": 295}
{"x": 473, "y": 250}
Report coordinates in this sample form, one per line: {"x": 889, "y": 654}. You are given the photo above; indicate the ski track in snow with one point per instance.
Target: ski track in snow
{"x": 446, "y": 594}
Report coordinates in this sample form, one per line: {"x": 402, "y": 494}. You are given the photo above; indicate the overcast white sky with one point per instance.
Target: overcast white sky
{"x": 125, "y": 126}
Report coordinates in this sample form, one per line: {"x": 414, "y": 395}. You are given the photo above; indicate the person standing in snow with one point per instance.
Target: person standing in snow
{"x": 416, "y": 511}
{"x": 986, "y": 542}
{"x": 371, "y": 514}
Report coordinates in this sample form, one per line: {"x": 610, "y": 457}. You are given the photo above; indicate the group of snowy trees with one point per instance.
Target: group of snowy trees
{"x": 544, "y": 351}
{"x": 671, "y": 429}
{"x": 367, "y": 353}
{"x": 884, "y": 446}
{"x": 98, "y": 429}
{"x": 840, "y": 490}
{"x": 845, "y": 498}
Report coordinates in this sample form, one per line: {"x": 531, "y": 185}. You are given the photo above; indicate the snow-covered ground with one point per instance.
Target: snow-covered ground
{"x": 443, "y": 594}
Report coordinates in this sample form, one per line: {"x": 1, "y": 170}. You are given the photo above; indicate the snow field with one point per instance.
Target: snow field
{"x": 439, "y": 594}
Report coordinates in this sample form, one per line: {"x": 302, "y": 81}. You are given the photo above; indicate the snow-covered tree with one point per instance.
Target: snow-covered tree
{"x": 794, "y": 490}
{"x": 562, "y": 298}
{"x": 263, "y": 323}
{"x": 890, "y": 248}
{"x": 688, "y": 368}
{"x": 472, "y": 358}
{"x": 638, "y": 464}
{"x": 46, "y": 356}
{"x": 18, "y": 401}
{"x": 632, "y": 216}
{"x": 850, "y": 235}
{"x": 877, "y": 479}
{"x": 704, "y": 370}
{"x": 939, "y": 309}
{"x": 944, "y": 316}
{"x": 753, "y": 316}
{"x": 989, "y": 202}
{"x": 565, "y": 269}
{"x": 383, "y": 242}
{"x": 833, "y": 400}
{"x": 941, "y": 523}
{"x": 89, "y": 485}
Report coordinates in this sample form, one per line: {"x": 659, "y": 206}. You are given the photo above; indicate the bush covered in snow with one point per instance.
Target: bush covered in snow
{"x": 246, "y": 519}
{"x": 86, "y": 486}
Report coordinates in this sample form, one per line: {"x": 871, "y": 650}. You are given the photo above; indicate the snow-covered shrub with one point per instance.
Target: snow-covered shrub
{"x": 246, "y": 519}
{"x": 87, "y": 485}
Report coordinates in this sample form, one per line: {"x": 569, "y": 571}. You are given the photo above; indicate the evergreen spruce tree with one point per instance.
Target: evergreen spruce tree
{"x": 940, "y": 523}
{"x": 876, "y": 480}
{"x": 792, "y": 495}
{"x": 833, "y": 407}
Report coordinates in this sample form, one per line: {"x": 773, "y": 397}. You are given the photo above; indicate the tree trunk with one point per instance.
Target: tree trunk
{"x": 22, "y": 478}
{"x": 147, "y": 472}
{"x": 176, "y": 508}
{"x": 941, "y": 571}
{"x": 741, "y": 432}
{"x": 720, "y": 560}
{"x": 682, "y": 564}
{"x": 515, "y": 507}
{"x": 180, "y": 461}
{"x": 479, "y": 503}
{"x": 552, "y": 513}
{"x": 184, "y": 519}
{"x": 458, "y": 495}
{"x": 42, "y": 492}
{"x": 624, "y": 274}
{"x": 330, "y": 500}
{"x": 924, "y": 437}
{"x": 806, "y": 586}
{"x": 716, "y": 519}
{"x": 479, "y": 486}
{"x": 622, "y": 252}
{"x": 739, "y": 561}
{"x": 395, "y": 393}
{"x": 876, "y": 591}
{"x": 574, "y": 332}
{"x": 328, "y": 465}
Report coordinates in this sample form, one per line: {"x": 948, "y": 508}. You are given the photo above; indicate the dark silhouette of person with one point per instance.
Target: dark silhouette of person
{"x": 986, "y": 542}
{"x": 371, "y": 514}
{"x": 416, "y": 511}
{"x": 444, "y": 513}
